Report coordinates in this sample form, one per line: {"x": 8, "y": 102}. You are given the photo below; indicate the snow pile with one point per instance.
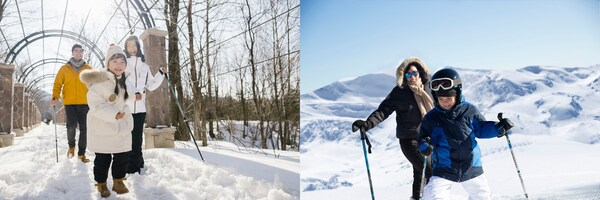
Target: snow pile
{"x": 28, "y": 170}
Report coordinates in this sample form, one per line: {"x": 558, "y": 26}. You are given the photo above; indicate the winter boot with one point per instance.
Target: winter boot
{"x": 104, "y": 192}
{"x": 71, "y": 152}
{"x": 119, "y": 186}
{"x": 83, "y": 158}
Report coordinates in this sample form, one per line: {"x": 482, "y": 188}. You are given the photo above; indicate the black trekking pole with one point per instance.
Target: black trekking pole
{"x": 514, "y": 159}
{"x": 363, "y": 138}
{"x": 423, "y": 181}
{"x": 172, "y": 89}
{"x": 55, "y": 134}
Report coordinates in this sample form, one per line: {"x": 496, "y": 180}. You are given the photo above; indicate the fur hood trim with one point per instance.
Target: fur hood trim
{"x": 90, "y": 77}
{"x": 421, "y": 67}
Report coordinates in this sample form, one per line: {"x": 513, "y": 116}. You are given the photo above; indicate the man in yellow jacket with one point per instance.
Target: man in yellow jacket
{"x": 74, "y": 99}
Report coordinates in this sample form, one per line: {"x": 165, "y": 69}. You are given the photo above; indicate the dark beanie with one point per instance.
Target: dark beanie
{"x": 446, "y": 93}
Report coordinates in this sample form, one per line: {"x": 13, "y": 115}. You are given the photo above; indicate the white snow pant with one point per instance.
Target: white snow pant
{"x": 439, "y": 188}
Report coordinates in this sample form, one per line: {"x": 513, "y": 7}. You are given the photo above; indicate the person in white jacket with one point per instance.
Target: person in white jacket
{"x": 143, "y": 79}
{"x": 109, "y": 120}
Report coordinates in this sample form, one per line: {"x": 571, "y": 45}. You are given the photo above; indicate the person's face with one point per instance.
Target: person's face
{"x": 117, "y": 66}
{"x": 446, "y": 102}
{"x": 77, "y": 54}
{"x": 131, "y": 48}
{"x": 412, "y": 80}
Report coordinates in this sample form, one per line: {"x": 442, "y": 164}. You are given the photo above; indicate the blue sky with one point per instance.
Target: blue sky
{"x": 350, "y": 38}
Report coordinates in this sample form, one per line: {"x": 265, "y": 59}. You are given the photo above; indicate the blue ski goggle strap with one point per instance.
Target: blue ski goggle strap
{"x": 408, "y": 74}
{"x": 443, "y": 83}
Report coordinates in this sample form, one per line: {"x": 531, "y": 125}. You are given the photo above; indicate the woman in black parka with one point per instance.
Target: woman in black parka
{"x": 411, "y": 100}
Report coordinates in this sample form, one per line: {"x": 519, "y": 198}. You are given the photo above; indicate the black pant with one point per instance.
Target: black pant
{"x": 102, "y": 163}
{"x": 136, "y": 161}
{"x": 411, "y": 151}
{"x": 77, "y": 114}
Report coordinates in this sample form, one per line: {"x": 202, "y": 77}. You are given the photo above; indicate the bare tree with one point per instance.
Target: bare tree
{"x": 196, "y": 89}
{"x": 171, "y": 12}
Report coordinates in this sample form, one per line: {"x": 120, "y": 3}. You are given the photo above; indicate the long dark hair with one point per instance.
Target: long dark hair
{"x": 137, "y": 44}
{"x": 421, "y": 71}
{"x": 119, "y": 81}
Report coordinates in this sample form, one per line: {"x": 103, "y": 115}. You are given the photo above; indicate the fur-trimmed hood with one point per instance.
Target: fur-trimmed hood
{"x": 421, "y": 67}
{"x": 90, "y": 77}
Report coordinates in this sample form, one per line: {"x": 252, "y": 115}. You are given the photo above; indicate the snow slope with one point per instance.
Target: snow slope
{"x": 556, "y": 138}
{"x": 28, "y": 170}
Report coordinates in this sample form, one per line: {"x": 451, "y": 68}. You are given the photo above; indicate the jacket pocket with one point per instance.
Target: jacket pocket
{"x": 104, "y": 128}
{"x": 126, "y": 124}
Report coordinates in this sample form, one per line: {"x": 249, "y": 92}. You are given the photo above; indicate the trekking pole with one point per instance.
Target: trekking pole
{"x": 55, "y": 134}
{"x": 172, "y": 89}
{"x": 423, "y": 181}
{"x": 363, "y": 137}
{"x": 514, "y": 159}
{"x": 423, "y": 175}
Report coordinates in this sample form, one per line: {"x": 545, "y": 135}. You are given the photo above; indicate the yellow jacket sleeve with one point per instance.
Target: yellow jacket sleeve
{"x": 59, "y": 80}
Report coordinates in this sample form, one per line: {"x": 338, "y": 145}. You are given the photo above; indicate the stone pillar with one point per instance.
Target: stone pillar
{"x": 26, "y": 112}
{"x": 157, "y": 101}
{"x": 158, "y": 118}
{"x": 18, "y": 113}
{"x": 6, "y": 104}
{"x": 34, "y": 112}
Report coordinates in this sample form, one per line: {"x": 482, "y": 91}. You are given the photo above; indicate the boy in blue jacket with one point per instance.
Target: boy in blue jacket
{"x": 448, "y": 135}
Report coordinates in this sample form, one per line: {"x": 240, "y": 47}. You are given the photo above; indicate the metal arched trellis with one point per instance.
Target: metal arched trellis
{"x": 27, "y": 70}
{"x": 15, "y": 50}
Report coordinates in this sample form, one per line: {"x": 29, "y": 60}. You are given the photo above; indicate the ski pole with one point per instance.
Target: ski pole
{"x": 514, "y": 159}
{"x": 363, "y": 137}
{"x": 423, "y": 181}
{"x": 423, "y": 175}
{"x": 172, "y": 89}
{"x": 55, "y": 134}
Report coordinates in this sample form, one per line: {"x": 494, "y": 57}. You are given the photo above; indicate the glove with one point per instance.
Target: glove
{"x": 362, "y": 125}
{"x": 504, "y": 125}
{"x": 429, "y": 149}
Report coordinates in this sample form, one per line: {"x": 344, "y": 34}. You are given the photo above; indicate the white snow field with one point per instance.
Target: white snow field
{"x": 556, "y": 140}
{"x": 28, "y": 170}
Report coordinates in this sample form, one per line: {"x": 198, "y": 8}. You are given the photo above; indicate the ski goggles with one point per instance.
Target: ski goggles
{"x": 443, "y": 83}
{"x": 409, "y": 74}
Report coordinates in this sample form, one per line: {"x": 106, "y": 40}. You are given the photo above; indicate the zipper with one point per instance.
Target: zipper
{"x": 136, "y": 87}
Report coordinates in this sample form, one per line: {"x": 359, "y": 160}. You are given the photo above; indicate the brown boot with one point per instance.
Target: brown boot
{"x": 119, "y": 186}
{"x": 71, "y": 152}
{"x": 104, "y": 192}
{"x": 83, "y": 159}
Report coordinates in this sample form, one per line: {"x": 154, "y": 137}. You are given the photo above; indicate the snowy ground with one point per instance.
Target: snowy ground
{"x": 549, "y": 172}
{"x": 28, "y": 170}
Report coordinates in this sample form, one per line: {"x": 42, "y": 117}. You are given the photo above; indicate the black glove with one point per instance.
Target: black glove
{"x": 429, "y": 149}
{"x": 503, "y": 126}
{"x": 362, "y": 125}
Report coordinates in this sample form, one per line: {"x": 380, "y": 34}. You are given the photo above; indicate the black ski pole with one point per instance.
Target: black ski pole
{"x": 55, "y": 134}
{"x": 514, "y": 159}
{"x": 423, "y": 181}
{"x": 363, "y": 137}
{"x": 172, "y": 89}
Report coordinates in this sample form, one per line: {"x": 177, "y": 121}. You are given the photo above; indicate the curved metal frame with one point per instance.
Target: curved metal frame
{"x": 35, "y": 81}
{"x": 33, "y": 66}
{"x": 15, "y": 50}
{"x": 142, "y": 9}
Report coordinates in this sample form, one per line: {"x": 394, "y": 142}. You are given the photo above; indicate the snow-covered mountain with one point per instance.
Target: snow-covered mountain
{"x": 554, "y": 108}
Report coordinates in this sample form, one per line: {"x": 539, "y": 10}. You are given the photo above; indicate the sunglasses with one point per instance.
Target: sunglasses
{"x": 444, "y": 83}
{"x": 408, "y": 74}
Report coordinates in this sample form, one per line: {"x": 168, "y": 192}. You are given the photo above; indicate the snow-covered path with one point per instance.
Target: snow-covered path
{"x": 28, "y": 170}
